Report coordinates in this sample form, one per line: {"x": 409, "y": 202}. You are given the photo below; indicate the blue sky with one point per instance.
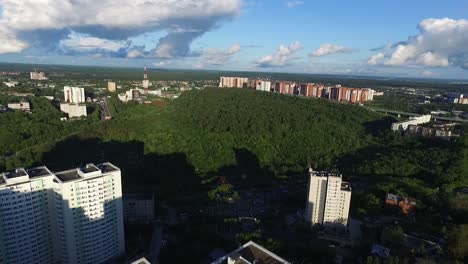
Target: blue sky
{"x": 365, "y": 37}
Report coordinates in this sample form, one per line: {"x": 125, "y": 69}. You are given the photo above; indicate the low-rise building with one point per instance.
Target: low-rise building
{"x": 10, "y": 84}
{"x": 421, "y": 131}
{"x": 416, "y": 120}
{"x": 251, "y": 253}
{"x": 406, "y": 205}
{"x": 138, "y": 207}
{"x": 73, "y": 110}
{"x": 130, "y": 95}
{"x": 22, "y": 105}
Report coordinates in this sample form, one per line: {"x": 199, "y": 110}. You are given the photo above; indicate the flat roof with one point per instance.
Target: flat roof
{"x": 88, "y": 168}
{"x": 16, "y": 173}
{"x": 107, "y": 167}
{"x": 325, "y": 173}
{"x": 250, "y": 253}
{"x": 62, "y": 176}
{"x": 38, "y": 171}
{"x": 69, "y": 175}
{"x": 345, "y": 186}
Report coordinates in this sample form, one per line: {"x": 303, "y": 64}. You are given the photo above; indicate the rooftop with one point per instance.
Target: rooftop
{"x": 323, "y": 173}
{"x": 88, "y": 168}
{"x": 16, "y": 173}
{"x": 69, "y": 175}
{"x": 251, "y": 253}
{"x": 345, "y": 186}
{"x": 141, "y": 261}
{"x": 38, "y": 172}
{"x": 107, "y": 167}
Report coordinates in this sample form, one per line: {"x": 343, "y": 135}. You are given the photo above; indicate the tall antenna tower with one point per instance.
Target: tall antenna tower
{"x": 145, "y": 80}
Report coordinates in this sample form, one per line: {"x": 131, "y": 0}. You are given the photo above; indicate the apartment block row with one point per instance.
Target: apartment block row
{"x": 337, "y": 92}
{"x": 72, "y": 216}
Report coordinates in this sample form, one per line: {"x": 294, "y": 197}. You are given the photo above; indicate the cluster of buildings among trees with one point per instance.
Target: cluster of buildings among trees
{"x": 457, "y": 98}
{"x": 22, "y": 105}
{"x": 414, "y": 126}
{"x": 337, "y": 92}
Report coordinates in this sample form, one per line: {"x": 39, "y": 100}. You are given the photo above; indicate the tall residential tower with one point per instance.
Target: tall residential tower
{"x": 328, "y": 199}
{"x": 73, "y": 216}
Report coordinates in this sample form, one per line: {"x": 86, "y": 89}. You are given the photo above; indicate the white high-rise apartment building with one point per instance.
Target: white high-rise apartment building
{"x": 73, "y": 216}
{"x": 74, "y": 95}
{"x": 328, "y": 200}
{"x": 89, "y": 214}
{"x": 26, "y": 204}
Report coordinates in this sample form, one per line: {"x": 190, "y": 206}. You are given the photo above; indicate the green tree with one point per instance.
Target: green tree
{"x": 457, "y": 241}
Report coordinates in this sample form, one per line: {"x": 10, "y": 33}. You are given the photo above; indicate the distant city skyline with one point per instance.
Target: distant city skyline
{"x": 397, "y": 38}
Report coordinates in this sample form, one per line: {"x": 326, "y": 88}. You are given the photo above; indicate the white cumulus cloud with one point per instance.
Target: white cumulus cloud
{"x": 282, "y": 57}
{"x": 220, "y": 57}
{"x": 376, "y": 59}
{"x": 328, "y": 49}
{"x": 47, "y": 23}
{"x": 88, "y": 44}
{"x": 440, "y": 43}
{"x": 9, "y": 43}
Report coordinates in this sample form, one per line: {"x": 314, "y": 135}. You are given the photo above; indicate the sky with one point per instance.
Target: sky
{"x": 361, "y": 37}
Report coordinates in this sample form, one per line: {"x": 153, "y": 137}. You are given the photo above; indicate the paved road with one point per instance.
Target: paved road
{"x": 104, "y": 108}
{"x": 451, "y": 119}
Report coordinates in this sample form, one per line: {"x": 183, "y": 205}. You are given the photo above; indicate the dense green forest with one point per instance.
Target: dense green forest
{"x": 216, "y": 129}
